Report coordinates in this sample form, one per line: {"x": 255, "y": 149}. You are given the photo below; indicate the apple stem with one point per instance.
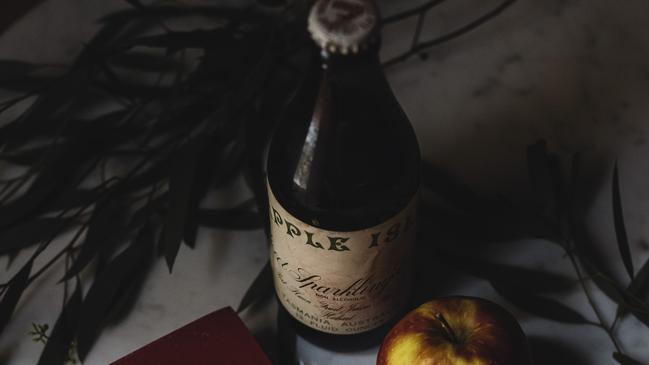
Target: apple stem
{"x": 447, "y": 328}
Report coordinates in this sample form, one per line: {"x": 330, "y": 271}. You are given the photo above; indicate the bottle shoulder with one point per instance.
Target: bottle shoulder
{"x": 346, "y": 157}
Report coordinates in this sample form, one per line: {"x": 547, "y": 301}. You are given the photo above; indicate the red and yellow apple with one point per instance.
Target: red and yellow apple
{"x": 456, "y": 331}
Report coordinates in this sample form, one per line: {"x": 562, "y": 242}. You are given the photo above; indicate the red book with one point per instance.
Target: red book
{"x": 219, "y": 338}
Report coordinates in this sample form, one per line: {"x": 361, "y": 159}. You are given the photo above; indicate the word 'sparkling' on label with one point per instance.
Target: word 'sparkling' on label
{"x": 342, "y": 282}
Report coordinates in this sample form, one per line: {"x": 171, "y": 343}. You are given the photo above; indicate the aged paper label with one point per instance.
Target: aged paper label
{"x": 342, "y": 282}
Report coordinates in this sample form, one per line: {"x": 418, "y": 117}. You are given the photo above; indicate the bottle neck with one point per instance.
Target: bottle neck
{"x": 334, "y": 62}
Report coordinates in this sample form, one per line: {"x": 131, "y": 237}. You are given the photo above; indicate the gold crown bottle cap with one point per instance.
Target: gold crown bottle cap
{"x": 344, "y": 26}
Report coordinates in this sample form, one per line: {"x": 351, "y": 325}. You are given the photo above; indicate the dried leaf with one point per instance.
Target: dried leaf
{"x": 181, "y": 181}
{"x": 620, "y": 229}
{"x": 233, "y": 219}
{"x": 12, "y": 294}
{"x": 540, "y": 306}
{"x": 106, "y": 290}
{"x": 58, "y": 344}
{"x": 625, "y": 359}
{"x": 260, "y": 288}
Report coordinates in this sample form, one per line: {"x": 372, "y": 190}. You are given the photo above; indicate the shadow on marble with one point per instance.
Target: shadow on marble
{"x": 6, "y": 354}
{"x": 546, "y": 351}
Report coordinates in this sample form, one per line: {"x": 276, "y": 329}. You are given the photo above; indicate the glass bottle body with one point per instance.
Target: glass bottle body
{"x": 344, "y": 160}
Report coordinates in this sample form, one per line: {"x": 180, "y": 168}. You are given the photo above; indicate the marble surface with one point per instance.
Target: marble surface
{"x": 574, "y": 72}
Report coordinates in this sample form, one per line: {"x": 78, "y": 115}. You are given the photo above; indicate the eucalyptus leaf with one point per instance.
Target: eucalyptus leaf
{"x": 49, "y": 104}
{"x": 623, "y": 298}
{"x": 64, "y": 167}
{"x": 132, "y": 287}
{"x": 541, "y": 306}
{"x": 57, "y": 348}
{"x": 74, "y": 198}
{"x": 105, "y": 232}
{"x": 640, "y": 283}
{"x": 12, "y": 294}
{"x": 106, "y": 290}
{"x": 153, "y": 173}
{"x": 638, "y": 287}
{"x": 620, "y": 229}
{"x": 31, "y": 232}
{"x": 146, "y": 212}
{"x": 181, "y": 181}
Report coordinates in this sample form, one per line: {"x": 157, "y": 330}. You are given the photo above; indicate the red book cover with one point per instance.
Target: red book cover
{"x": 219, "y": 338}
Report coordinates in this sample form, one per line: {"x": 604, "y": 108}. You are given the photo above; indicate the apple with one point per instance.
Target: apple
{"x": 456, "y": 331}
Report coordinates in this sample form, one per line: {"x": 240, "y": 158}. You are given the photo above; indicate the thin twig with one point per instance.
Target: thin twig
{"x": 420, "y": 25}
{"x": 420, "y": 47}
{"x": 412, "y": 12}
{"x": 592, "y": 303}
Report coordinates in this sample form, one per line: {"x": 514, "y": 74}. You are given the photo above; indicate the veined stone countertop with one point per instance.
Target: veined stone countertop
{"x": 573, "y": 72}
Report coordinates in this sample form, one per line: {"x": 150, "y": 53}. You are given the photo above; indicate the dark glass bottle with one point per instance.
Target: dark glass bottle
{"x": 343, "y": 173}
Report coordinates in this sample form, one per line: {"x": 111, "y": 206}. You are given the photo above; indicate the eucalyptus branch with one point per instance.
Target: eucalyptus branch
{"x": 154, "y": 122}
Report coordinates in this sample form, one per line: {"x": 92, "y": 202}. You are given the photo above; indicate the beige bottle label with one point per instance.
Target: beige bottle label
{"x": 342, "y": 282}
